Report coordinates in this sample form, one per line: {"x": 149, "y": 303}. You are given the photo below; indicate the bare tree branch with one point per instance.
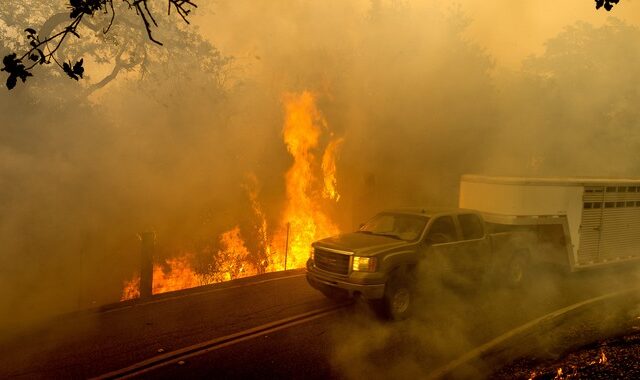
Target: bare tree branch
{"x": 119, "y": 66}
{"x": 180, "y": 8}
{"x": 43, "y": 49}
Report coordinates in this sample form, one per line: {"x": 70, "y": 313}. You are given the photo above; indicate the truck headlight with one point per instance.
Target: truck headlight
{"x": 364, "y": 264}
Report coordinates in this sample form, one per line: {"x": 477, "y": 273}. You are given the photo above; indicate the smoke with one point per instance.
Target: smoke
{"x": 414, "y": 100}
{"x": 449, "y": 321}
{"x": 419, "y": 103}
{"x": 398, "y": 81}
{"x": 568, "y": 110}
{"x": 439, "y": 330}
{"x": 83, "y": 175}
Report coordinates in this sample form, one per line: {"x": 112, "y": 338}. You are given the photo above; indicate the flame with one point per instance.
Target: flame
{"x": 131, "y": 289}
{"x": 304, "y": 216}
{"x": 233, "y": 259}
{"x": 266, "y": 256}
{"x": 176, "y": 274}
{"x": 603, "y": 358}
{"x": 303, "y": 220}
{"x": 559, "y": 374}
{"x": 329, "y": 169}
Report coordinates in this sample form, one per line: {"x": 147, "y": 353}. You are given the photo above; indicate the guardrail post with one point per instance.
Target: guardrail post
{"x": 147, "y": 250}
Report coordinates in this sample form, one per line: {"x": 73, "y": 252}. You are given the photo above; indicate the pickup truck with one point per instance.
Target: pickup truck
{"x": 383, "y": 260}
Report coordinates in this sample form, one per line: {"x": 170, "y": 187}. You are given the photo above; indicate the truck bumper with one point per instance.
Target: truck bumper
{"x": 327, "y": 283}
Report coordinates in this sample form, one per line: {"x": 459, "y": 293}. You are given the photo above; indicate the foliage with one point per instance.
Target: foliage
{"x": 16, "y": 69}
{"x": 608, "y": 4}
{"x": 573, "y": 110}
{"x": 62, "y": 151}
{"x": 43, "y": 49}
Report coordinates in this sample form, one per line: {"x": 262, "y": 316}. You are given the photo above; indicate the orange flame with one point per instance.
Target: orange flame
{"x": 304, "y": 218}
{"x": 304, "y": 211}
{"x": 329, "y": 170}
{"x": 232, "y": 260}
{"x": 261, "y": 224}
{"x": 131, "y": 289}
{"x": 603, "y": 358}
{"x": 559, "y": 374}
{"x": 175, "y": 274}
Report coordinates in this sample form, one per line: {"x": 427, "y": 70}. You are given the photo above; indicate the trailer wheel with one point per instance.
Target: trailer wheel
{"x": 517, "y": 271}
{"x": 398, "y": 299}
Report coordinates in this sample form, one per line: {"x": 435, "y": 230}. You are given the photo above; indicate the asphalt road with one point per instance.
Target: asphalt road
{"x": 92, "y": 343}
{"x": 348, "y": 343}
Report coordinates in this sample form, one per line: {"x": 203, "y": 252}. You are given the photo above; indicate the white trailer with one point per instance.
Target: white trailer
{"x": 594, "y": 221}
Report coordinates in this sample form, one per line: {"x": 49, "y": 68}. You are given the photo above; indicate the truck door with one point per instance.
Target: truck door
{"x": 473, "y": 248}
{"x": 443, "y": 239}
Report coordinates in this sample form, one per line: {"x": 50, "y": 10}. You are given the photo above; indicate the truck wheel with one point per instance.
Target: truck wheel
{"x": 517, "y": 271}
{"x": 398, "y": 299}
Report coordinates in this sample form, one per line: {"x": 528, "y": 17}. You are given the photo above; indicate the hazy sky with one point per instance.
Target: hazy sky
{"x": 510, "y": 30}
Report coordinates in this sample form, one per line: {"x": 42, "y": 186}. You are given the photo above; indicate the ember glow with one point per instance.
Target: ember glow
{"x": 571, "y": 371}
{"x": 559, "y": 374}
{"x": 310, "y": 186}
{"x": 603, "y": 358}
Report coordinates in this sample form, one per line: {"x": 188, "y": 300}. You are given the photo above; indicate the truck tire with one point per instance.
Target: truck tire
{"x": 398, "y": 299}
{"x": 517, "y": 270}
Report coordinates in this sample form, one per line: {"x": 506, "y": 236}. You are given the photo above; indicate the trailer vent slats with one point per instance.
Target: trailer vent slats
{"x": 610, "y": 225}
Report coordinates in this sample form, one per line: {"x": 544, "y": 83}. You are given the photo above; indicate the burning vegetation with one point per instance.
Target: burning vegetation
{"x": 310, "y": 185}
{"x": 572, "y": 370}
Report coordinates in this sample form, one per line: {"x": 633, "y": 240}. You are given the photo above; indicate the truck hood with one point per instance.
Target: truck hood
{"x": 359, "y": 243}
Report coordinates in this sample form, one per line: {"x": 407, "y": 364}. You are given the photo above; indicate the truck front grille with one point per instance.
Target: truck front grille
{"x": 331, "y": 261}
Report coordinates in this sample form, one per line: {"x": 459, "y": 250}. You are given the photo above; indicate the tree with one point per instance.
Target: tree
{"x": 101, "y": 142}
{"x": 43, "y": 46}
{"x": 572, "y": 110}
{"x": 608, "y": 4}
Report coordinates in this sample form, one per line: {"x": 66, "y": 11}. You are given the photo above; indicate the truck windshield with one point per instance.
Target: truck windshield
{"x": 398, "y": 226}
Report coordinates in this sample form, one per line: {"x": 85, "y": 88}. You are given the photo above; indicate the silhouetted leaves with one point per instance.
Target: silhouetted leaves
{"x": 608, "y": 4}
{"x": 31, "y": 36}
{"x": 14, "y": 67}
{"x": 20, "y": 67}
{"x": 88, "y": 7}
{"x": 74, "y": 72}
